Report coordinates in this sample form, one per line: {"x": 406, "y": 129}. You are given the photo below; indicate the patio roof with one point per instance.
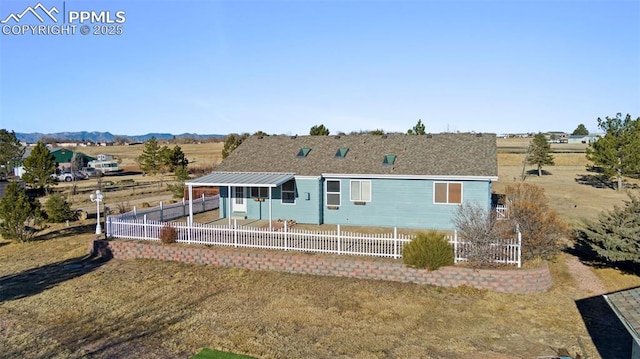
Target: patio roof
{"x": 241, "y": 179}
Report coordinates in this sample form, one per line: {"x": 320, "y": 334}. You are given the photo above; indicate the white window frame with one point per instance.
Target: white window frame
{"x": 282, "y": 192}
{"x": 448, "y": 203}
{"x": 326, "y": 192}
{"x": 351, "y": 192}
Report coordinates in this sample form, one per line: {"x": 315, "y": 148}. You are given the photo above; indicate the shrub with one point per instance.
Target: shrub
{"x": 123, "y": 207}
{"x": 541, "y": 228}
{"x": 479, "y": 228}
{"x": 168, "y": 234}
{"x": 428, "y": 250}
{"x": 58, "y": 209}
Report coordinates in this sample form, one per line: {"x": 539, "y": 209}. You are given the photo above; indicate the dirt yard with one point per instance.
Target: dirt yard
{"x": 57, "y": 303}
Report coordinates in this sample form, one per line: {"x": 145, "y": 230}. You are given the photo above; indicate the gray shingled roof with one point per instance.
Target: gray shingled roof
{"x": 626, "y": 305}
{"x": 425, "y": 155}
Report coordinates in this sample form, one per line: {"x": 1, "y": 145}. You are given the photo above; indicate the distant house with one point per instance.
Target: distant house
{"x": 583, "y": 138}
{"x": 64, "y": 157}
{"x": 626, "y": 305}
{"x": 407, "y": 181}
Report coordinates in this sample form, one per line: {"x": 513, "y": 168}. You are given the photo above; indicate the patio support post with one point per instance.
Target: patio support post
{"x": 270, "y": 220}
{"x": 190, "y": 204}
{"x": 229, "y": 204}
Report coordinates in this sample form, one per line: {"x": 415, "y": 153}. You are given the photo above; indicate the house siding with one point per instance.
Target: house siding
{"x": 303, "y": 210}
{"x": 403, "y": 203}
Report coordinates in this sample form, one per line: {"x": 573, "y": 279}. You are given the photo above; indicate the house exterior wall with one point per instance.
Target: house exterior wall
{"x": 306, "y": 208}
{"x": 403, "y": 203}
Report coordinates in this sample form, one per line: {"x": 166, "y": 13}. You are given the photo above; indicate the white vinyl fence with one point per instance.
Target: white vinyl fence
{"x": 388, "y": 245}
{"x": 504, "y": 251}
{"x": 172, "y": 211}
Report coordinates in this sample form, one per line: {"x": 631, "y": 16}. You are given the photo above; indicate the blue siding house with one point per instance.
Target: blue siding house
{"x": 396, "y": 180}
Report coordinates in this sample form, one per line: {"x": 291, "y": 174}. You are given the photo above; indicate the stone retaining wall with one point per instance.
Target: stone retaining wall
{"x": 500, "y": 280}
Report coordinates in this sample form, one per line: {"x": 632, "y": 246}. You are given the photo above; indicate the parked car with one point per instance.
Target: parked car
{"x": 89, "y": 172}
{"x": 68, "y": 176}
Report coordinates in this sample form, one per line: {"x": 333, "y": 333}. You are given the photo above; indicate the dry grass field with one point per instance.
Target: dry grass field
{"x": 57, "y": 303}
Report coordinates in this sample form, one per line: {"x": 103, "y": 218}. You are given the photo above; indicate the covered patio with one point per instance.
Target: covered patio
{"x": 237, "y": 185}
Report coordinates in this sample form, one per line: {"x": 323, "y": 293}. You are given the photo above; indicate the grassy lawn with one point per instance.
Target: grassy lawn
{"x": 57, "y": 303}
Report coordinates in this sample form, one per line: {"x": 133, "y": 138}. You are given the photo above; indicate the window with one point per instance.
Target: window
{"x": 360, "y": 191}
{"x": 303, "y": 152}
{"x": 333, "y": 192}
{"x": 259, "y": 192}
{"x": 389, "y": 160}
{"x": 341, "y": 152}
{"x": 289, "y": 192}
{"x": 447, "y": 192}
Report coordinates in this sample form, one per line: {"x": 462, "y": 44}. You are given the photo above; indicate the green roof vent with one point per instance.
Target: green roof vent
{"x": 341, "y": 152}
{"x": 389, "y": 160}
{"x": 304, "y": 151}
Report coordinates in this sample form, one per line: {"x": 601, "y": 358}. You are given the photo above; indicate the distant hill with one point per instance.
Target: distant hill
{"x": 106, "y": 136}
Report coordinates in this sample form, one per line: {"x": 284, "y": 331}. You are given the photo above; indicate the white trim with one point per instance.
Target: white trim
{"x": 360, "y": 181}
{"x": 308, "y": 177}
{"x": 448, "y": 203}
{"x": 326, "y": 193}
{"x": 419, "y": 177}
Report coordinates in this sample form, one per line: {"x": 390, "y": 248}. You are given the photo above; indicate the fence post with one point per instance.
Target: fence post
{"x": 144, "y": 227}
{"x": 455, "y": 246}
{"x": 135, "y": 213}
{"x": 395, "y": 242}
{"x": 519, "y": 249}
{"x": 339, "y": 241}
{"x": 109, "y": 229}
{"x": 189, "y": 225}
{"x": 235, "y": 233}
{"x": 203, "y": 204}
{"x": 161, "y": 212}
{"x": 286, "y": 237}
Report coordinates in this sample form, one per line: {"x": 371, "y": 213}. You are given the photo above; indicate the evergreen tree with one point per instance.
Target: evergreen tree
{"x": 377, "y": 132}
{"x": 150, "y": 160}
{"x": 540, "y": 152}
{"x": 581, "y": 130}
{"x": 319, "y": 130}
{"x": 39, "y": 167}
{"x": 17, "y": 212}
{"x": 177, "y": 159}
{"x": 232, "y": 142}
{"x": 618, "y": 152}
{"x": 11, "y": 151}
{"x": 418, "y": 129}
{"x": 58, "y": 209}
{"x": 615, "y": 236}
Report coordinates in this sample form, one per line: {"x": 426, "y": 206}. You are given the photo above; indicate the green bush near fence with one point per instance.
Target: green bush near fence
{"x": 428, "y": 250}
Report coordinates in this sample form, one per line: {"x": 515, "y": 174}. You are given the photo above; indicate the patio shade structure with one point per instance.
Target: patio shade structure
{"x": 237, "y": 179}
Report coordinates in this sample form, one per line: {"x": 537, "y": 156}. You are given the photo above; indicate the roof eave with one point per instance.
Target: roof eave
{"x": 408, "y": 176}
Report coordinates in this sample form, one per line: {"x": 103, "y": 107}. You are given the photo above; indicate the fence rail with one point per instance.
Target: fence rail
{"x": 170, "y": 212}
{"x": 388, "y": 245}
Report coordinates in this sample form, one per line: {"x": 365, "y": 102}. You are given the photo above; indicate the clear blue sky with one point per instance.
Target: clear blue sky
{"x": 282, "y": 67}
